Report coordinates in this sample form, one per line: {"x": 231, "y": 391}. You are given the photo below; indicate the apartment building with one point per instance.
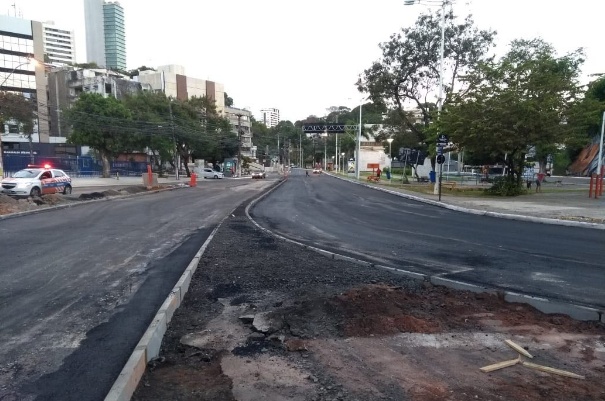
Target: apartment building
{"x": 67, "y": 84}
{"x": 241, "y": 122}
{"x": 269, "y": 117}
{"x": 59, "y": 44}
{"x": 171, "y": 80}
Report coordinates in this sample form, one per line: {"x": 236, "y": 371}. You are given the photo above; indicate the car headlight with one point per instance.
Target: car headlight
{"x": 24, "y": 184}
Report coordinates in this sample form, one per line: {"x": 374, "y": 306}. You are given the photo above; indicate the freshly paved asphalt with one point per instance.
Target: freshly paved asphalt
{"x": 557, "y": 262}
{"x": 79, "y": 286}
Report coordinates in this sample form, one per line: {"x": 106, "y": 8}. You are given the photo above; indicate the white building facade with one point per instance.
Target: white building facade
{"x": 269, "y": 117}
{"x": 59, "y": 44}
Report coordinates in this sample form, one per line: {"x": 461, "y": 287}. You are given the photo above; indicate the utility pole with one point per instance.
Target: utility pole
{"x": 239, "y": 144}
{"x": 176, "y": 156}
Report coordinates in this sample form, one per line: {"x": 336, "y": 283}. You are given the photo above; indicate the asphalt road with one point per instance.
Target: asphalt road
{"x": 559, "y": 262}
{"x": 79, "y": 286}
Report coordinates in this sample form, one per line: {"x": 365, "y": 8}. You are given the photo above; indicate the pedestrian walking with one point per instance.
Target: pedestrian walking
{"x": 538, "y": 185}
{"x": 378, "y": 172}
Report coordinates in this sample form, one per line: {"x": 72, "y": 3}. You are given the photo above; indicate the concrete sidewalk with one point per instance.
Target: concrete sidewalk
{"x": 126, "y": 181}
{"x": 554, "y": 202}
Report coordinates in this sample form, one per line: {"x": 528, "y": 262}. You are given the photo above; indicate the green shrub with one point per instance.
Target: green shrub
{"x": 505, "y": 186}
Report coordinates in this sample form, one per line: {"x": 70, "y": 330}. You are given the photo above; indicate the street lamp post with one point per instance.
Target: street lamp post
{"x": 325, "y": 136}
{"x": 600, "y": 161}
{"x": 343, "y": 162}
{"x": 437, "y": 189}
{"x": 29, "y": 61}
{"x": 358, "y": 153}
{"x": 390, "y": 141}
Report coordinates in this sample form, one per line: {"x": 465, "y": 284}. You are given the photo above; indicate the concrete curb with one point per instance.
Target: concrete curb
{"x": 79, "y": 203}
{"x": 509, "y": 216}
{"x": 149, "y": 345}
{"x": 545, "y": 305}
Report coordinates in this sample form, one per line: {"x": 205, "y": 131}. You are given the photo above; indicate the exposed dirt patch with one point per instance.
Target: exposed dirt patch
{"x": 279, "y": 322}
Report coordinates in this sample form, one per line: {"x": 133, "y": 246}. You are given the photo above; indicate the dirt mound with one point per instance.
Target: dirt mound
{"x": 91, "y": 196}
{"x": 132, "y": 190}
{"x": 265, "y": 319}
{"x": 7, "y": 200}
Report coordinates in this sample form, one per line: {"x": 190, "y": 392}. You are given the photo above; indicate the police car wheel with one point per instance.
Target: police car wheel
{"x": 67, "y": 190}
{"x": 35, "y": 192}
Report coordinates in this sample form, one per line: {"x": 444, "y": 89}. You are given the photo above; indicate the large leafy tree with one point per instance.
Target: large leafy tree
{"x": 152, "y": 127}
{"x": 586, "y": 117}
{"x": 517, "y": 103}
{"x": 103, "y": 124}
{"x": 407, "y": 75}
{"x": 215, "y": 140}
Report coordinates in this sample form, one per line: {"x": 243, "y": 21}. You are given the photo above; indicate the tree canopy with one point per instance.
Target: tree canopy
{"x": 520, "y": 102}
{"x": 407, "y": 75}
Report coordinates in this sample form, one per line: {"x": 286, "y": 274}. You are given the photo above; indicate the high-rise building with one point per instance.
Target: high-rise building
{"x": 269, "y": 117}
{"x": 115, "y": 36}
{"x": 105, "y": 34}
{"x": 59, "y": 44}
{"x": 22, "y": 72}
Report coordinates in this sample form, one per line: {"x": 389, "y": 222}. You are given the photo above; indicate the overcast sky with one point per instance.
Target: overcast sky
{"x": 305, "y": 56}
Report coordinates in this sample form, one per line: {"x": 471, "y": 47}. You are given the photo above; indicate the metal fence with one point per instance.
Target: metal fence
{"x": 75, "y": 166}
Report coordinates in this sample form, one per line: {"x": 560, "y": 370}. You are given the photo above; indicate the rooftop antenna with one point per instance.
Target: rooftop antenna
{"x": 14, "y": 6}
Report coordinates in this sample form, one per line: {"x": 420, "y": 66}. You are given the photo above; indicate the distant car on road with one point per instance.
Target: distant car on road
{"x": 316, "y": 171}
{"x": 258, "y": 174}
{"x": 35, "y": 181}
{"x": 210, "y": 173}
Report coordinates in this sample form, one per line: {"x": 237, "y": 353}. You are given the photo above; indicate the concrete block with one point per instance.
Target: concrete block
{"x": 129, "y": 377}
{"x": 171, "y": 304}
{"x": 183, "y": 283}
{"x": 154, "y": 180}
{"x": 458, "y": 285}
{"x": 547, "y": 306}
{"x": 405, "y": 273}
{"x": 152, "y": 339}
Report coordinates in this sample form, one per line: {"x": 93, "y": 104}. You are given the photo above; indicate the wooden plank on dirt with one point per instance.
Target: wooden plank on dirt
{"x": 499, "y": 365}
{"x": 518, "y": 348}
{"x": 548, "y": 369}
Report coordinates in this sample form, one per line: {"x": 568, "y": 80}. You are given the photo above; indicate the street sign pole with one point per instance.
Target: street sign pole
{"x": 440, "y": 177}
{"x": 442, "y": 141}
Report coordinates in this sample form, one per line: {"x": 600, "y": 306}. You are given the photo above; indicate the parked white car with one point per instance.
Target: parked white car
{"x": 210, "y": 173}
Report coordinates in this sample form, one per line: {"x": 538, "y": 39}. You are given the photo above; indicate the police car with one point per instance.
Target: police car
{"x": 36, "y": 181}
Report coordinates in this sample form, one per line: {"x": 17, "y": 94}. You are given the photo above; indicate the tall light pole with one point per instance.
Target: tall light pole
{"x": 600, "y": 161}
{"x": 325, "y": 150}
{"x": 343, "y": 162}
{"x": 239, "y": 144}
{"x": 30, "y": 61}
{"x": 390, "y": 141}
{"x": 176, "y": 151}
{"x": 437, "y": 189}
